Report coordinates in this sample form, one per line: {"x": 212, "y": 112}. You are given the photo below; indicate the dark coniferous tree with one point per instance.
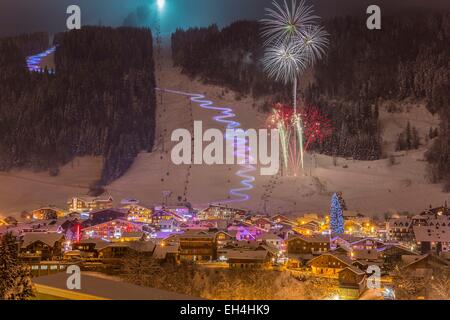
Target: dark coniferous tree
{"x": 15, "y": 281}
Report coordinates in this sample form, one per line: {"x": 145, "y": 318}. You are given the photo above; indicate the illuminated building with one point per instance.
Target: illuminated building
{"x": 86, "y": 204}
{"x": 139, "y": 213}
{"x": 47, "y": 213}
{"x": 220, "y": 212}
{"x": 197, "y": 246}
{"x": 245, "y": 231}
{"x": 249, "y": 259}
{"x": 164, "y": 214}
{"x": 44, "y": 246}
{"x": 352, "y": 283}
{"x": 315, "y": 244}
{"x": 110, "y": 230}
{"x": 329, "y": 264}
{"x": 263, "y": 223}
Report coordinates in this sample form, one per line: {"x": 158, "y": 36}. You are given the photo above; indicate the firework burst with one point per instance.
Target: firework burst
{"x": 283, "y": 62}
{"x": 312, "y": 43}
{"x": 283, "y": 23}
{"x": 310, "y": 124}
{"x": 317, "y": 126}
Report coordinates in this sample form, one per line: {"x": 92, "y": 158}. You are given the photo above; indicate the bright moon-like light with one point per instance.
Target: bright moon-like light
{"x": 160, "y": 4}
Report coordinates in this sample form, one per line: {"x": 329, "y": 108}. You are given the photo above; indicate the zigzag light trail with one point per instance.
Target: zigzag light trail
{"x": 33, "y": 62}
{"x": 225, "y": 115}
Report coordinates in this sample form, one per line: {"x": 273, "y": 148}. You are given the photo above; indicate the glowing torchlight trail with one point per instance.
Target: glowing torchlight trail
{"x": 227, "y": 113}
{"x": 33, "y": 62}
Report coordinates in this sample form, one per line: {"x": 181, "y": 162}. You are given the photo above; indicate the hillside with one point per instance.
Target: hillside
{"x": 100, "y": 101}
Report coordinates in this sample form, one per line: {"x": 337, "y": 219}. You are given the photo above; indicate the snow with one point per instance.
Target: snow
{"x": 107, "y": 287}
{"x": 393, "y": 123}
{"x": 27, "y": 190}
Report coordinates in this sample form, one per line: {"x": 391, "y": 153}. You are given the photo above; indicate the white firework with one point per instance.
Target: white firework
{"x": 312, "y": 43}
{"x": 293, "y": 42}
{"x": 283, "y": 62}
{"x": 284, "y": 22}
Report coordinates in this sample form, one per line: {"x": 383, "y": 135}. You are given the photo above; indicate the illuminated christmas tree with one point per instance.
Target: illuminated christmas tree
{"x": 337, "y": 214}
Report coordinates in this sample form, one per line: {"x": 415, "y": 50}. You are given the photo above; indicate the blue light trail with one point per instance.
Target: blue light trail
{"x": 34, "y": 62}
{"x": 225, "y": 115}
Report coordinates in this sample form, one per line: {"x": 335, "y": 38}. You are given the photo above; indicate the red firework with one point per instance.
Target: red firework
{"x": 316, "y": 126}
{"x": 284, "y": 112}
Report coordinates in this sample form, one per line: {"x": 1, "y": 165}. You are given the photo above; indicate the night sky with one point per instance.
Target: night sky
{"x": 20, "y": 16}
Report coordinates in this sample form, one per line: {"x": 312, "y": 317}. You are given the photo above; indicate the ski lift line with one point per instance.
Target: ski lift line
{"x": 225, "y": 116}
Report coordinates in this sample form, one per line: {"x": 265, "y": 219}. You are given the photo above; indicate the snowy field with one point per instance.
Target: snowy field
{"x": 371, "y": 187}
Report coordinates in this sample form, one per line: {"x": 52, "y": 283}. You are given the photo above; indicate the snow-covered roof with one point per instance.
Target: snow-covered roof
{"x": 114, "y": 221}
{"x": 368, "y": 239}
{"x": 109, "y": 288}
{"x": 161, "y": 252}
{"x": 270, "y": 248}
{"x": 99, "y": 244}
{"x": 435, "y": 233}
{"x": 168, "y": 213}
{"x": 300, "y": 256}
{"x": 388, "y": 247}
{"x": 47, "y": 238}
{"x": 411, "y": 260}
{"x": 133, "y": 234}
{"x": 49, "y": 208}
{"x": 166, "y": 222}
{"x": 343, "y": 258}
{"x": 140, "y": 246}
{"x": 268, "y": 236}
{"x": 402, "y": 221}
{"x": 244, "y": 244}
{"x": 312, "y": 238}
{"x": 346, "y": 237}
{"x": 196, "y": 234}
{"x": 279, "y": 217}
{"x": 103, "y": 197}
{"x": 354, "y": 269}
{"x": 247, "y": 254}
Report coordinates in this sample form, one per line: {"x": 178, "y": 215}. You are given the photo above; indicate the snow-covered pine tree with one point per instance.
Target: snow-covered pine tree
{"x": 15, "y": 281}
{"x": 337, "y": 213}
